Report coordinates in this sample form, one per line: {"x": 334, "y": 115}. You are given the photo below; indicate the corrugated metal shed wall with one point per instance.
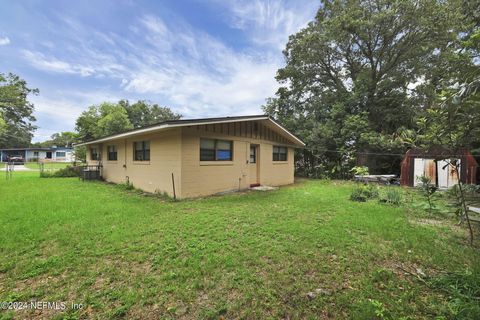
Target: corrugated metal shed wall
{"x": 468, "y": 169}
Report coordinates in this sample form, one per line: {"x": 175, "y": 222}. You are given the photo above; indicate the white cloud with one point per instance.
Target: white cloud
{"x": 42, "y": 134}
{"x": 269, "y": 22}
{"x": 39, "y": 61}
{"x": 170, "y": 63}
{"x": 200, "y": 74}
{"x": 55, "y": 115}
{"x": 4, "y": 40}
{"x": 59, "y": 114}
{"x": 85, "y": 62}
{"x": 154, "y": 24}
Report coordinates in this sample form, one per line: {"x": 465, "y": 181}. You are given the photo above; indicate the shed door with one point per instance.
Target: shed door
{"x": 424, "y": 167}
{"x": 452, "y": 175}
{"x": 418, "y": 170}
{"x": 447, "y": 177}
{"x": 442, "y": 174}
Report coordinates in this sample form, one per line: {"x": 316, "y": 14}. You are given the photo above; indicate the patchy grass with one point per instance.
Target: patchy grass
{"x": 48, "y": 165}
{"x": 304, "y": 251}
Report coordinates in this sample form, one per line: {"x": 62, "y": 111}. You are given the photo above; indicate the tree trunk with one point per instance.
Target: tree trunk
{"x": 464, "y": 203}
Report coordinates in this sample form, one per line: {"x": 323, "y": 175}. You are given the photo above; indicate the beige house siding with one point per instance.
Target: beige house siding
{"x": 276, "y": 173}
{"x": 152, "y": 176}
{"x": 177, "y": 151}
{"x": 201, "y": 178}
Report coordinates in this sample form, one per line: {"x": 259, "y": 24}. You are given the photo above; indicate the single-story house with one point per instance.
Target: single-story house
{"x": 54, "y": 154}
{"x": 191, "y": 158}
{"x": 436, "y": 164}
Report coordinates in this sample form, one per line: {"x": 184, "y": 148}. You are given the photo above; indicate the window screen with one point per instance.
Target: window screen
{"x": 279, "y": 153}
{"x": 216, "y": 150}
{"x": 141, "y": 151}
{"x": 112, "y": 153}
{"x": 253, "y": 154}
{"x": 94, "y": 154}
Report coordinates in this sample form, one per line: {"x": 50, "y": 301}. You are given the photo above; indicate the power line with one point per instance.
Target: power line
{"x": 383, "y": 153}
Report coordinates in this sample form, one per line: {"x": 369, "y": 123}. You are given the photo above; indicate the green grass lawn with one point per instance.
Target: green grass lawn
{"x": 47, "y": 165}
{"x": 254, "y": 255}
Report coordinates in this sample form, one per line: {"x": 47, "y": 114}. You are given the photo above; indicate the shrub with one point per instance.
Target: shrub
{"x": 364, "y": 192}
{"x": 359, "y": 171}
{"x": 371, "y": 191}
{"x": 358, "y": 195}
{"x": 428, "y": 190}
{"x": 392, "y": 195}
{"x": 61, "y": 173}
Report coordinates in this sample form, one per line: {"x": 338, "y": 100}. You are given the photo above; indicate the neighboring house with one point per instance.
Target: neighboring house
{"x": 53, "y": 154}
{"x": 431, "y": 163}
{"x": 198, "y": 157}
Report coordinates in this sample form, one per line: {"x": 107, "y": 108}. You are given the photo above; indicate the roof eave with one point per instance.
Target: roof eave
{"x": 297, "y": 142}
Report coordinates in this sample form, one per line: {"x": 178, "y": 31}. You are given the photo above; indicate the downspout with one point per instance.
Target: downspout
{"x": 125, "y": 154}
{"x": 127, "y": 178}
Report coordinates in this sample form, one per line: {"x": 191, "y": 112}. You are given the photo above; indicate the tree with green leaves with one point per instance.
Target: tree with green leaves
{"x": 357, "y": 76}
{"x": 86, "y": 124}
{"x": 110, "y": 118}
{"x": 3, "y": 125}
{"x": 452, "y": 120}
{"x": 142, "y": 113}
{"x": 113, "y": 119}
{"x": 16, "y": 112}
{"x": 453, "y": 123}
{"x": 103, "y": 120}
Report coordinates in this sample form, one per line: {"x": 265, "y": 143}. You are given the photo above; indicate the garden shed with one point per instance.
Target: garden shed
{"x": 435, "y": 164}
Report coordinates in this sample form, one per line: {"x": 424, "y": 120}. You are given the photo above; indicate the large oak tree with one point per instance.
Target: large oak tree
{"x": 358, "y": 75}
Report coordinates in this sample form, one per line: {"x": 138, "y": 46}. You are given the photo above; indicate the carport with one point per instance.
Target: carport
{"x": 5, "y": 153}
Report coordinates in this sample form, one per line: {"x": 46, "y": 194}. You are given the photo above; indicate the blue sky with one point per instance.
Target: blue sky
{"x": 200, "y": 58}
